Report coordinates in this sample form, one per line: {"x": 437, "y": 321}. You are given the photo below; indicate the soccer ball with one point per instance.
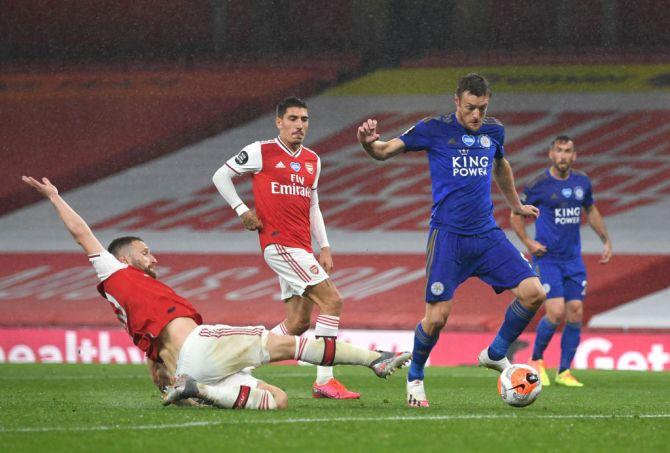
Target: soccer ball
{"x": 519, "y": 385}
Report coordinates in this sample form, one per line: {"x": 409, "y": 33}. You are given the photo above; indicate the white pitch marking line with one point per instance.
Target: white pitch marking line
{"x": 329, "y": 419}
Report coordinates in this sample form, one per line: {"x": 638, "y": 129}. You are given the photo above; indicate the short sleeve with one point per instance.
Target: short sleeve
{"x": 249, "y": 160}
{"x": 499, "y": 142}
{"x": 417, "y": 137}
{"x": 105, "y": 264}
{"x": 588, "y": 194}
{"x": 529, "y": 196}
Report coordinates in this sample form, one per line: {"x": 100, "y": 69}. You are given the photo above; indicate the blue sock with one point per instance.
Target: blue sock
{"x": 423, "y": 344}
{"x": 569, "y": 343}
{"x": 517, "y": 318}
{"x": 545, "y": 330}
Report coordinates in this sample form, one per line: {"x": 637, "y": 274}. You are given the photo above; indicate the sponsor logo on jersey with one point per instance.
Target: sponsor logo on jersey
{"x": 242, "y": 158}
{"x": 567, "y": 216}
{"x": 485, "y": 141}
{"x": 553, "y": 196}
{"x": 437, "y": 288}
{"x": 566, "y": 191}
{"x": 314, "y": 269}
{"x": 579, "y": 193}
{"x": 295, "y": 166}
{"x": 451, "y": 141}
{"x": 469, "y": 165}
{"x": 280, "y": 164}
{"x": 469, "y": 140}
{"x": 309, "y": 167}
{"x": 463, "y": 151}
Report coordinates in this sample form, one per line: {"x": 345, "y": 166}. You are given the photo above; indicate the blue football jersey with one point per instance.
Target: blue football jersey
{"x": 561, "y": 203}
{"x": 460, "y": 163}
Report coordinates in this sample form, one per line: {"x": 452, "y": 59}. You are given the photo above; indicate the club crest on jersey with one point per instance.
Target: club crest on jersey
{"x": 314, "y": 269}
{"x": 485, "y": 141}
{"x": 469, "y": 140}
{"x": 567, "y": 192}
{"x": 309, "y": 167}
{"x": 280, "y": 164}
{"x": 579, "y": 193}
{"x": 242, "y": 158}
{"x": 295, "y": 166}
{"x": 437, "y": 288}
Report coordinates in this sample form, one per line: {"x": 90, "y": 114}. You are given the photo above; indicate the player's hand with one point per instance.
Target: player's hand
{"x": 607, "y": 253}
{"x": 251, "y": 221}
{"x": 527, "y": 211}
{"x": 367, "y": 132}
{"x": 535, "y": 248}
{"x": 45, "y": 187}
{"x": 326, "y": 259}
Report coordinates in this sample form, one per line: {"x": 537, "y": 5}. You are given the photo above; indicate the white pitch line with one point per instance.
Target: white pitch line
{"x": 287, "y": 421}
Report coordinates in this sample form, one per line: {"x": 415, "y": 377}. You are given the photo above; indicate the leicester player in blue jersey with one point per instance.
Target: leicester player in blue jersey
{"x": 562, "y": 194}
{"x": 465, "y": 150}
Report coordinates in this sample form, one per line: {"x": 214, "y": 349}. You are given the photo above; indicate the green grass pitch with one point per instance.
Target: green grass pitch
{"x": 115, "y": 408}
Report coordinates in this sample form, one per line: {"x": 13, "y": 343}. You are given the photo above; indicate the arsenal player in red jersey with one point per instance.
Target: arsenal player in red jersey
{"x": 285, "y": 178}
{"x": 207, "y": 360}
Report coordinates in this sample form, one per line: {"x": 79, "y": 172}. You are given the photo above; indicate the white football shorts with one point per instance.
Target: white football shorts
{"x": 213, "y": 353}
{"x": 296, "y": 268}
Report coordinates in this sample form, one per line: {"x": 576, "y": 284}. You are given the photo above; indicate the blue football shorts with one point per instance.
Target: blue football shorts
{"x": 453, "y": 258}
{"x": 566, "y": 279}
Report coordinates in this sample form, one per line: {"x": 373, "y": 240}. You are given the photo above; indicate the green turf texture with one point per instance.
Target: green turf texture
{"x": 116, "y": 408}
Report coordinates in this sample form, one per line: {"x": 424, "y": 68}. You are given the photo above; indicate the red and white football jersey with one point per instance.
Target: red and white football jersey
{"x": 283, "y": 182}
{"x": 141, "y": 303}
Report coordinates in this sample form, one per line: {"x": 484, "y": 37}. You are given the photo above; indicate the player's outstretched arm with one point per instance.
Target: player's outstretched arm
{"x": 80, "y": 231}
{"x": 519, "y": 226}
{"x": 502, "y": 173}
{"x": 378, "y": 149}
{"x": 598, "y": 225}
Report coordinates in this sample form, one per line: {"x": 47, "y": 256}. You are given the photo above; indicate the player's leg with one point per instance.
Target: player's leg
{"x": 238, "y": 391}
{"x": 426, "y": 335}
{"x": 575, "y": 291}
{"x": 326, "y": 296}
{"x": 300, "y": 274}
{"x": 555, "y": 313}
{"x": 329, "y": 352}
{"x": 502, "y": 266}
{"x": 444, "y": 272}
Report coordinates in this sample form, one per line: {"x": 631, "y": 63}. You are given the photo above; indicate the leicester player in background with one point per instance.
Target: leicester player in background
{"x": 465, "y": 149}
{"x": 562, "y": 194}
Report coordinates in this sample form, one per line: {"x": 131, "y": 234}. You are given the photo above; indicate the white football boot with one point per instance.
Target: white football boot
{"x": 416, "y": 395}
{"x": 485, "y": 361}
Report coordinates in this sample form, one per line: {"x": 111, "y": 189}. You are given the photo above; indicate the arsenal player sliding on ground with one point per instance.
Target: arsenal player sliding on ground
{"x": 285, "y": 177}
{"x": 207, "y": 360}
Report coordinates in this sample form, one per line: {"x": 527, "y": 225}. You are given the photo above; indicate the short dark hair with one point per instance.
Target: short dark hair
{"x": 475, "y": 84}
{"x": 117, "y": 244}
{"x": 291, "y": 101}
{"x": 560, "y": 139}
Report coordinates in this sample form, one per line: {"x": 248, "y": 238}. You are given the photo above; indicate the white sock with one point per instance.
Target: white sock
{"x": 238, "y": 397}
{"x": 279, "y": 329}
{"x": 312, "y": 351}
{"x": 326, "y": 326}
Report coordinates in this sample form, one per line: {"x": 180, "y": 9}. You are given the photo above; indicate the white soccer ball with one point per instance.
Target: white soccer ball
{"x": 519, "y": 385}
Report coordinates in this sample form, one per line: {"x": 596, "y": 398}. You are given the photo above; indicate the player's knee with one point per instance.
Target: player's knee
{"x": 434, "y": 323}
{"x": 299, "y": 327}
{"x": 332, "y": 305}
{"x": 555, "y": 316}
{"x": 533, "y": 298}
